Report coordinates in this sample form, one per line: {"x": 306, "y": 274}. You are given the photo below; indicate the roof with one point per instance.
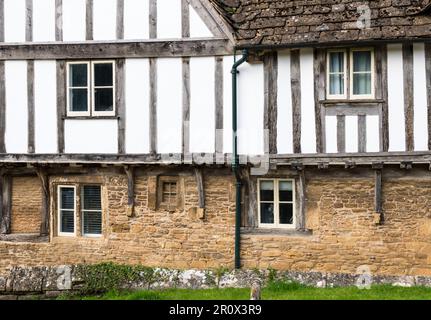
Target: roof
{"x": 291, "y": 22}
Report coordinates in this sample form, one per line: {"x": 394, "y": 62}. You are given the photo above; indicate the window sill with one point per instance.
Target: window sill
{"x": 24, "y": 238}
{"x": 350, "y": 101}
{"x": 91, "y": 118}
{"x": 275, "y": 232}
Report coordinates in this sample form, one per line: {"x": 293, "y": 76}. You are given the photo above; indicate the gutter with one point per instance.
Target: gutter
{"x": 235, "y": 160}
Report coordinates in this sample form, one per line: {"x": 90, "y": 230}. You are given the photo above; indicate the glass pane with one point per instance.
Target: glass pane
{"x": 67, "y": 198}
{"x": 78, "y": 75}
{"x": 104, "y": 100}
{"x": 267, "y": 191}
{"x": 92, "y": 198}
{"x": 103, "y": 75}
{"x": 92, "y": 222}
{"x": 362, "y": 83}
{"x": 336, "y": 62}
{"x": 67, "y": 223}
{"x": 286, "y": 213}
{"x": 286, "y": 191}
{"x": 361, "y": 61}
{"x": 336, "y": 85}
{"x": 78, "y": 100}
{"x": 266, "y": 213}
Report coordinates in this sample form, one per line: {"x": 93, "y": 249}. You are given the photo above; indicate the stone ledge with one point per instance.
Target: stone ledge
{"x": 20, "y": 238}
{"x": 276, "y": 232}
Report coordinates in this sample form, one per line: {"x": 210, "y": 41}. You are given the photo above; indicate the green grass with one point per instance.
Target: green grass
{"x": 274, "y": 291}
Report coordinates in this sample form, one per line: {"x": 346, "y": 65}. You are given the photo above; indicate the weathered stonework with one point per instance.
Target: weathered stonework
{"x": 342, "y": 231}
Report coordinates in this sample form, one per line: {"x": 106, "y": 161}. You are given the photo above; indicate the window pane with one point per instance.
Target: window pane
{"x": 361, "y": 61}
{"x": 336, "y": 86}
{"x": 104, "y": 100}
{"x": 78, "y": 100}
{"x": 103, "y": 75}
{"x": 67, "y": 221}
{"x": 78, "y": 75}
{"x": 266, "y": 213}
{"x": 336, "y": 62}
{"x": 92, "y": 198}
{"x": 67, "y": 198}
{"x": 362, "y": 83}
{"x": 266, "y": 191}
{"x": 286, "y": 213}
{"x": 92, "y": 222}
{"x": 286, "y": 191}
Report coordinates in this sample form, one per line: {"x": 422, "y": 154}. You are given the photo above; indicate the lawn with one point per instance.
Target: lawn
{"x": 274, "y": 291}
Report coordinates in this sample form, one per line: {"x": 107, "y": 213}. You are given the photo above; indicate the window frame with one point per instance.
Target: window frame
{"x": 373, "y": 76}
{"x": 277, "y": 224}
{"x": 86, "y": 235}
{"x": 328, "y": 75}
{"x": 71, "y": 113}
{"x": 348, "y": 79}
{"x": 91, "y": 90}
{"x": 59, "y": 209}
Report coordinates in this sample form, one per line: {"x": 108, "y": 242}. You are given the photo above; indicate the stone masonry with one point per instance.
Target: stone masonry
{"x": 340, "y": 216}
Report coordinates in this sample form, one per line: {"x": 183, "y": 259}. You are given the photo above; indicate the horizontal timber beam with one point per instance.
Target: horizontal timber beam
{"x": 414, "y": 157}
{"x": 116, "y": 49}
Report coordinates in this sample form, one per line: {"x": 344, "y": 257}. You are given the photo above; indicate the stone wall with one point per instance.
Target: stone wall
{"x": 340, "y": 215}
{"x": 26, "y": 205}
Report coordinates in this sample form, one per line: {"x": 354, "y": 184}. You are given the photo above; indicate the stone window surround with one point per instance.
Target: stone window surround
{"x": 161, "y": 180}
{"x": 78, "y": 183}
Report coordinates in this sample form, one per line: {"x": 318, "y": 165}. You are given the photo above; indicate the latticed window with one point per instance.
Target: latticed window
{"x": 91, "y": 210}
{"x": 169, "y": 193}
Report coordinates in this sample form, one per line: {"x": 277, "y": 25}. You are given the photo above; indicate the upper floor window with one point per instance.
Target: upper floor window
{"x": 276, "y": 203}
{"x": 350, "y": 74}
{"x": 91, "y": 88}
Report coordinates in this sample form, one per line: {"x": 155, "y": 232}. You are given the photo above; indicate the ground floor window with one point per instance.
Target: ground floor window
{"x": 276, "y": 203}
{"x": 89, "y": 208}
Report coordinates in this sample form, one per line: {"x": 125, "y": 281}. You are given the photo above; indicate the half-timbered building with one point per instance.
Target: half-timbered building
{"x": 292, "y": 135}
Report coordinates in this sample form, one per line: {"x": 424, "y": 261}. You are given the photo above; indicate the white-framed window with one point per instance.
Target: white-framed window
{"x": 91, "y": 88}
{"x": 350, "y": 74}
{"x": 362, "y": 73}
{"x": 337, "y": 74}
{"x": 276, "y": 199}
{"x": 66, "y": 210}
{"x": 91, "y": 207}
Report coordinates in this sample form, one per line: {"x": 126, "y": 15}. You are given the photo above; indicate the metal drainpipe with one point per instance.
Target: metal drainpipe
{"x": 235, "y": 160}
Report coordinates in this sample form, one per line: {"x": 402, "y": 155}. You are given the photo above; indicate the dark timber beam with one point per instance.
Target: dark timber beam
{"x": 44, "y": 180}
{"x": 89, "y": 20}
{"x": 2, "y": 107}
{"x": 186, "y": 106}
{"x": 428, "y": 76}
{"x": 130, "y": 172}
{"x": 270, "y": 104}
{"x": 302, "y": 193}
{"x": 199, "y": 176}
{"x": 219, "y": 105}
{"x": 116, "y": 49}
{"x": 378, "y": 198}
{"x": 61, "y": 104}
{"x": 341, "y": 133}
{"x": 28, "y": 20}
{"x": 295, "y": 73}
{"x": 319, "y": 94}
{"x": 1, "y": 20}
{"x": 121, "y": 104}
{"x": 58, "y": 20}
{"x": 408, "y": 95}
{"x": 120, "y": 19}
{"x": 381, "y": 56}
{"x": 6, "y": 203}
{"x": 30, "y": 105}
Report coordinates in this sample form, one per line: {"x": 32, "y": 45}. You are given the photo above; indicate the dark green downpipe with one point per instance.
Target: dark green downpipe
{"x": 235, "y": 160}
